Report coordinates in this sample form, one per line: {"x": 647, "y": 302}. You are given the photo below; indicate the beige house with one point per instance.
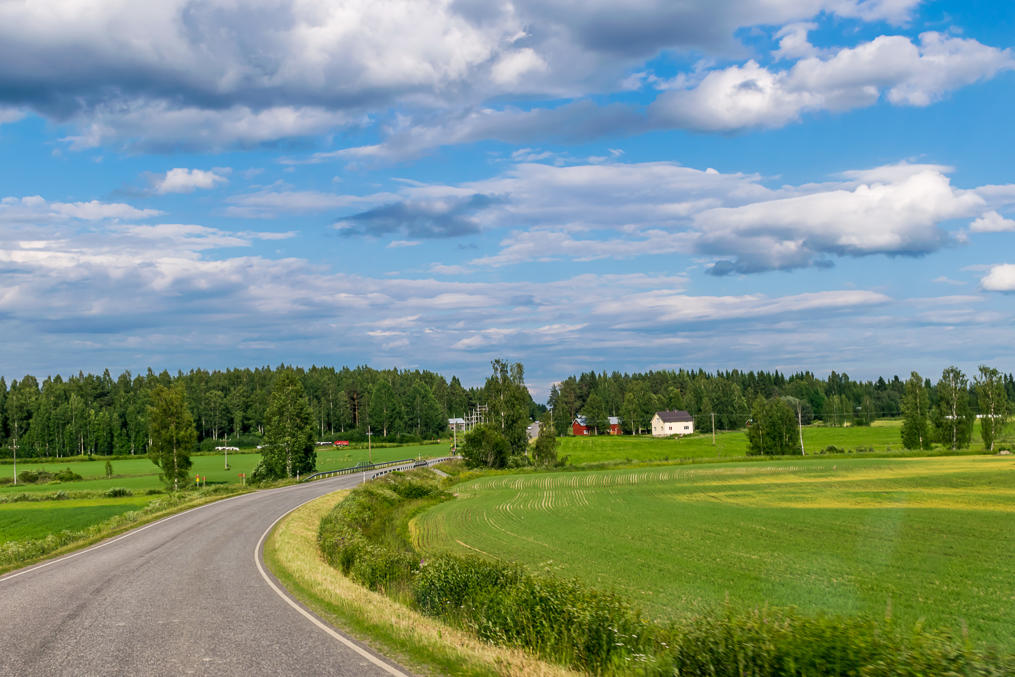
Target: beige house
{"x": 666, "y": 423}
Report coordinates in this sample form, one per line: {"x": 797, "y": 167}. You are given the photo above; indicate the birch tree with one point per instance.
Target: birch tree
{"x": 993, "y": 404}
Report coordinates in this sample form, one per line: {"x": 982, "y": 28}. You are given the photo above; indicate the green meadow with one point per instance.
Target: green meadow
{"x": 30, "y": 520}
{"x": 882, "y": 436}
{"x": 922, "y": 539}
{"x": 140, "y": 474}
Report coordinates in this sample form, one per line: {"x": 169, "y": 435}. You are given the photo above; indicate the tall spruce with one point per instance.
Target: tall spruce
{"x": 172, "y": 434}
{"x": 992, "y": 401}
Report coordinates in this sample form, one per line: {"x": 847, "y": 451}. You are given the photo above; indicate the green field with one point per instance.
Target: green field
{"x": 29, "y": 520}
{"x": 882, "y": 436}
{"x": 920, "y": 538}
{"x": 139, "y": 474}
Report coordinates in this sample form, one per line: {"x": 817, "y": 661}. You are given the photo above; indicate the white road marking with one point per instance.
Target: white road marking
{"x": 310, "y": 617}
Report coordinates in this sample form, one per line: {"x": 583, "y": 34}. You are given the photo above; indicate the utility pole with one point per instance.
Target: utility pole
{"x": 14, "y": 448}
{"x": 370, "y": 453}
{"x": 713, "y": 428}
{"x": 800, "y": 427}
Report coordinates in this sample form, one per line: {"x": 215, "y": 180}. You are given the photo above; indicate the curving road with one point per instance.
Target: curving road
{"x": 185, "y": 595}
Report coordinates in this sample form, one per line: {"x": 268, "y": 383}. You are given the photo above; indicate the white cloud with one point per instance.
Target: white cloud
{"x": 217, "y": 73}
{"x": 35, "y": 209}
{"x": 181, "y": 180}
{"x": 396, "y": 244}
{"x": 271, "y": 202}
{"x": 904, "y": 72}
{"x": 999, "y": 278}
{"x": 992, "y": 222}
{"x": 627, "y": 210}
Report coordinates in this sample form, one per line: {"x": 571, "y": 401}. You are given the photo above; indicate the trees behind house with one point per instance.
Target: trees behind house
{"x": 172, "y": 433}
{"x": 544, "y": 449}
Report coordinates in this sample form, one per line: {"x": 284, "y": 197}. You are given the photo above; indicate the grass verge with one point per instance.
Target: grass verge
{"x": 430, "y": 647}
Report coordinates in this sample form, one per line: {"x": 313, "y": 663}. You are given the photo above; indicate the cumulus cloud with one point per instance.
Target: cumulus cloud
{"x": 999, "y": 278}
{"x": 180, "y": 180}
{"x": 900, "y": 70}
{"x": 191, "y": 74}
{"x": 992, "y": 222}
{"x": 627, "y": 210}
{"x": 273, "y": 201}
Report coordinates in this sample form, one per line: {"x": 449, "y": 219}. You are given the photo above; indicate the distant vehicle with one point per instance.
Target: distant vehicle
{"x": 341, "y": 443}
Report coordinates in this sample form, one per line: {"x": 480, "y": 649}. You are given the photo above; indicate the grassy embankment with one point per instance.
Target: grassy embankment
{"x": 292, "y": 554}
{"x": 923, "y": 539}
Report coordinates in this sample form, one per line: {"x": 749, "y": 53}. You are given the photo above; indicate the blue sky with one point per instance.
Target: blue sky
{"x": 802, "y": 184}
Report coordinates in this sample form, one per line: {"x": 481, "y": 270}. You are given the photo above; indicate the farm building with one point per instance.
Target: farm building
{"x": 579, "y": 427}
{"x": 615, "y": 425}
{"x": 666, "y": 423}
{"x": 456, "y": 424}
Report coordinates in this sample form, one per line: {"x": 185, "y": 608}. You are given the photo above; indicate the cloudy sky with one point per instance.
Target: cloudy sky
{"x": 754, "y": 184}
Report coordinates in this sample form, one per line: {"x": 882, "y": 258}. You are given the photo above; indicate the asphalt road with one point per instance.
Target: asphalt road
{"x": 181, "y": 596}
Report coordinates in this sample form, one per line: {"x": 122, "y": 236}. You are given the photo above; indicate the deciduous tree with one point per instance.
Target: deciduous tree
{"x": 172, "y": 433}
{"x": 916, "y": 413}
{"x": 994, "y": 407}
{"x": 288, "y": 430}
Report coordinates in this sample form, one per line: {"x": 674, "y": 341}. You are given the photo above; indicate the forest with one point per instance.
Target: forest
{"x": 98, "y": 414}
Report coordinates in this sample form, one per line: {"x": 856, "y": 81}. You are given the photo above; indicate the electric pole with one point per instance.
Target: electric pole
{"x": 800, "y": 428}
{"x": 713, "y": 428}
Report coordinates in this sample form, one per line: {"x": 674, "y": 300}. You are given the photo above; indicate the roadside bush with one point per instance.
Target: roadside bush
{"x": 115, "y": 492}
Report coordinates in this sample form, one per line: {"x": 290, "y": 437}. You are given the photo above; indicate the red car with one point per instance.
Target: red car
{"x": 341, "y": 443}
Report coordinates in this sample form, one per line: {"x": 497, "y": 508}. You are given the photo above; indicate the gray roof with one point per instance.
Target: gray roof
{"x": 614, "y": 420}
{"x": 677, "y": 416}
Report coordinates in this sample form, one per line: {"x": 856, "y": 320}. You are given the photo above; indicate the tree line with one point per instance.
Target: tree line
{"x": 736, "y": 397}
{"x": 97, "y": 414}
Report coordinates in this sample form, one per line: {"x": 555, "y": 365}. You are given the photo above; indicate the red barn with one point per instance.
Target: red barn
{"x": 615, "y": 425}
{"x": 578, "y": 426}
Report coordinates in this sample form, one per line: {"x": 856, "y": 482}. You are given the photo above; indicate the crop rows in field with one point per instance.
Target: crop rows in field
{"x": 924, "y": 538}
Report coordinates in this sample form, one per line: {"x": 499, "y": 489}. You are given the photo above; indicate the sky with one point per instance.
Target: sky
{"x": 771, "y": 184}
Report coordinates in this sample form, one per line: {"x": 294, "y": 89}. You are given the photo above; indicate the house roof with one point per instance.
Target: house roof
{"x": 676, "y": 416}
{"x": 453, "y": 421}
{"x": 580, "y": 420}
{"x": 614, "y": 420}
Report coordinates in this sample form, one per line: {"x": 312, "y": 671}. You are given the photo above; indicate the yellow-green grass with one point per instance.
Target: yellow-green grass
{"x": 920, "y": 538}
{"x": 139, "y": 474}
{"x": 29, "y": 520}
{"x": 419, "y": 642}
{"x": 881, "y": 437}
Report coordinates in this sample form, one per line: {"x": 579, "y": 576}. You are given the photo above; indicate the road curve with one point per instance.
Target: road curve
{"x": 180, "y": 596}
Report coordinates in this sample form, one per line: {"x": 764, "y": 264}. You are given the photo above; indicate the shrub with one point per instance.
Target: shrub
{"x": 115, "y": 492}
{"x": 68, "y": 475}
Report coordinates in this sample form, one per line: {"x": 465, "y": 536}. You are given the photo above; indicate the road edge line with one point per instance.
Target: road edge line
{"x": 258, "y": 561}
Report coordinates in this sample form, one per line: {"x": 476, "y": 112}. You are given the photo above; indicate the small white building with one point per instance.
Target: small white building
{"x": 666, "y": 423}
{"x": 456, "y": 424}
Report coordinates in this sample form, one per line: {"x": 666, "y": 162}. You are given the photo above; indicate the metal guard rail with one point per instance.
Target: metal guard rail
{"x": 388, "y": 466}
